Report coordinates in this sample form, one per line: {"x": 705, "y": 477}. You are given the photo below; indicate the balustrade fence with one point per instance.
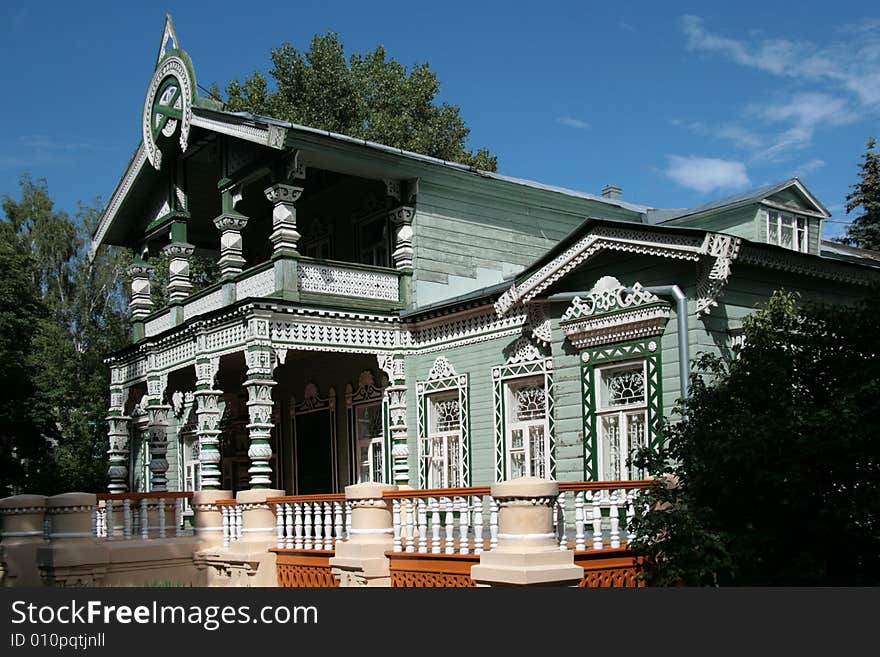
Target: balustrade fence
{"x": 140, "y": 515}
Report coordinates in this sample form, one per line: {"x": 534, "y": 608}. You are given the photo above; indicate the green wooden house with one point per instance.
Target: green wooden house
{"x": 386, "y": 316}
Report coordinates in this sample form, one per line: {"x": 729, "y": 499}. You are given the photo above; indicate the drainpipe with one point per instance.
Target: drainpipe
{"x": 684, "y": 351}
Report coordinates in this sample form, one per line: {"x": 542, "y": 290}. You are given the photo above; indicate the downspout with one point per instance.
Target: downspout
{"x": 684, "y": 351}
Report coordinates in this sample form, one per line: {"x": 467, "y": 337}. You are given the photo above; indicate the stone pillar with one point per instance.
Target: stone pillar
{"x": 401, "y": 219}
{"x": 361, "y": 560}
{"x": 231, "y": 261}
{"x": 208, "y": 422}
{"x": 141, "y": 303}
{"x": 259, "y": 388}
{"x": 158, "y": 428}
{"x": 284, "y": 235}
{"x": 21, "y": 533}
{"x": 179, "y": 285}
{"x": 527, "y": 551}
{"x": 70, "y": 517}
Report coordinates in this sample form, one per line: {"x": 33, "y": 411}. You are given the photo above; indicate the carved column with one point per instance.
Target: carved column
{"x": 395, "y": 398}
{"x": 401, "y": 219}
{"x": 118, "y": 435}
{"x": 179, "y": 285}
{"x": 284, "y": 235}
{"x": 157, "y": 413}
{"x": 231, "y": 261}
{"x": 141, "y": 304}
{"x": 261, "y": 361}
{"x": 208, "y": 428}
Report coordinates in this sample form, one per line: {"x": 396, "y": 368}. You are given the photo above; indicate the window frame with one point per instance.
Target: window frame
{"x": 444, "y": 437}
{"x": 622, "y": 413}
{"x": 442, "y": 378}
{"x": 799, "y": 226}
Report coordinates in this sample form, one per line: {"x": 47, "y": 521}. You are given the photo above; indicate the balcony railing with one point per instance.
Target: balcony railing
{"x": 315, "y": 277}
{"x": 140, "y": 515}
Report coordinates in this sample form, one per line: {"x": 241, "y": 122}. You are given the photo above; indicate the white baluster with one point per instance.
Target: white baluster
{"x": 318, "y": 524}
{"x": 410, "y": 525}
{"x": 307, "y": 525}
{"x": 298, "y": 525}
{"x": 579, "y": 521}
{"x": 478, "y": 524}
{"x": 96, "y": 524}
{"x": 347, "y": 520}
{"x": 279, "y": 525}
{"x": 435, "y": 525}
{"x": 338, "y": 522}
{"x": 560, "y": 521}
{"x": 630, "y": 514}
{"x": 238, "y": 514}
{"x": 615, "y": 520}
{"x": 493, "y": 523}
{"x": 423, "y": 525}
{"x": 126, "y": 518}
{"x": 449, "y": 506}
{"x": 145, "y": 524}
{"x": 395, "y": 522}
{"x": 288, "y": 525}
{"x": 224, "y": 514}
{"x": 108, "y": 519}
{"x": 328, "y": 527}
{"x": 463, "y": 525}
{"x": 161, "y": 517}
{"x": 597, "y": 520}
{"x": 178, "y": 516}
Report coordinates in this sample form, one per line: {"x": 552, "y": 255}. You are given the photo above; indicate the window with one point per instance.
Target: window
{"x": 527, "y": 431}
{"x": 787, "y": 230}
{"x": 442, "y": 451}
{"x": 369, "y": 439}
{"x": 621, "y": 418}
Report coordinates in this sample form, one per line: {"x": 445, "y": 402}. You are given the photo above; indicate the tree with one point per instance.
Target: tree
{"x": 367, "y": 96}
{"x": 864, "y": 231}
{"x": 770, "y": 476}
{"x": 82, "y": 317}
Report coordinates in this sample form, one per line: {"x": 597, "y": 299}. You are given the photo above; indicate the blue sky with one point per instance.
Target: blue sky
{"x": 675, "y": 103}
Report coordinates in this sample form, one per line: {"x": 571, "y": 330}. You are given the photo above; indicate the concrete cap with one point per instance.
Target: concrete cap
{"x": 526, "y": 487}
{"x": 210, "y": 496}
{"x": 367, "y": 490}
{"x": 71, "y": 499}
{"x": 23, "y": 501}
{"x": 256, "y": 495}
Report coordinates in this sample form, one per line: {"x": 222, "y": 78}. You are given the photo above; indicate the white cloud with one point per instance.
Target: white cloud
{"x": 852, "y": 62}
{"x": 809, "y": 167}
{"x": 572, "y": 122}
{"x": 706, "y": 174}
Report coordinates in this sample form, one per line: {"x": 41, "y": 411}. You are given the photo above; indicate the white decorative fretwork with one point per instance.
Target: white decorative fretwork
{"x": 721, "y": 250}
{"x": 441, "y": 369}
{"x": 202, "y": 305}
{"x": 443, "y": 423}
{"x": 157, "y": 325}
{"x": 257, "y": 285}
{"x": 612, "y": 313}
{"x": 347, "y": 281}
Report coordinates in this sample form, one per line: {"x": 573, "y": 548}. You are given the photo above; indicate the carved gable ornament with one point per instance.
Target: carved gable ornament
{"x": 612, "y": 313}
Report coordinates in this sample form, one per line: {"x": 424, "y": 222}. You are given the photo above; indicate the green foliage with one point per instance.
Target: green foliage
{"x": 368, "y": 96}
{"x": 203, "y": 272}
{"x": 771, "y": 477}
{"x": 864, "y": 231}
{"x": 77, "y": 316}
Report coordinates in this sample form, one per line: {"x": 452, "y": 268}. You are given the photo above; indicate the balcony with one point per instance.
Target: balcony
{"x": 317, "y": 282}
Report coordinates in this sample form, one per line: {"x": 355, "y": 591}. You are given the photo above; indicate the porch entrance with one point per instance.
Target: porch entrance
{"x": 314, "y": 441}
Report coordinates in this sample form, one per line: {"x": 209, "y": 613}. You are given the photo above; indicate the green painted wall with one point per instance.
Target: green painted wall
{"x": 469, "y": 237}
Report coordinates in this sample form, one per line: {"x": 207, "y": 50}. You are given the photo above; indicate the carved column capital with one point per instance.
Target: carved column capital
{"x": 141, "y": 303}
{"x": 284, "y": 235}
{"x": 401, "y": 217}
{"x": 179, "y": 285}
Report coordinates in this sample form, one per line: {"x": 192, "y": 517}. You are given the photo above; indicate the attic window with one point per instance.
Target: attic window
{"x": 787, "y": 230}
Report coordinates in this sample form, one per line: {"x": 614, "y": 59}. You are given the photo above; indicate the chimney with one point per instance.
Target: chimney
{"x": 613, "y": 192}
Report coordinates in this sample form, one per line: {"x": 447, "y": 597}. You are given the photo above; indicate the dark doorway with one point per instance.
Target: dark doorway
{"x": 313, "y": 434}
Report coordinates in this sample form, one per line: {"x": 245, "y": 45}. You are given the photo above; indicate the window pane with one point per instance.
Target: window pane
{"x": 369, "y": 421}
{"x": 529, "y": 402}
{"x": 453, "y": 471}
{"x": 610, "y": 446}
{"x": 787, "y": 231}
{"x": 364, "y": 459}
{"x": 624, "y": 386}
{"x": 635, "y": 438}
{"x": 516, "y": 439}
{"x": 536, "y": 443}
{"x": 517, "y": 464}
{"x": 773, "y": 227}
{"x": 446, "y": 415}
{"x": 377, "y": 461}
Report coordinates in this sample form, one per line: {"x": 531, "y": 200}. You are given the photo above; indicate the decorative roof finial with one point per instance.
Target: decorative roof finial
{"x": 167, "y": 33}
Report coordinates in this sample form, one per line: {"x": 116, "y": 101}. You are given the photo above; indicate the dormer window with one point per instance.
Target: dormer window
{"x": 787, "y": 230}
